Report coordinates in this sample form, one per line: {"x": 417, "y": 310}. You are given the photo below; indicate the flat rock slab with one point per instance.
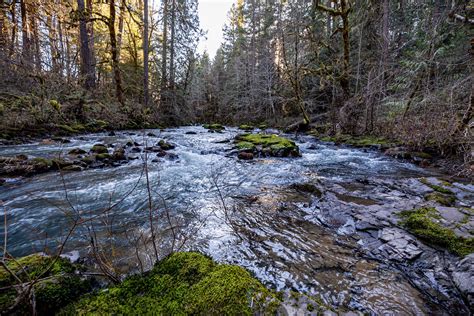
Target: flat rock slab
{"x": 398, "y": 245}
{"x": 450, "y": 214}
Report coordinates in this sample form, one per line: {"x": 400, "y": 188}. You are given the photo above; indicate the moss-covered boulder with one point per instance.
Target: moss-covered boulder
{"x": 99, "y": 149}
{"x": 55, "y": 287}
{"x": 426, "y": 223}
{"x": 214, "y": 127}
{"x": 164, "y": 145}
{"x": 77, "y": 151}
{"x": 183, "y": 284}
{"x": 267, "y": 145}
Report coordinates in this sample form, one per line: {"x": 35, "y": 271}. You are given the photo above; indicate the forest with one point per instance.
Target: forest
{"x": 320, "y": 162}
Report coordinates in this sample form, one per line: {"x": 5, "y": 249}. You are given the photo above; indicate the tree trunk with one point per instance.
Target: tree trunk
{"x": 145, "y": 53}
{"x": 87, "y": 68}
{"x": 115, "y": 54}
{"x": 25, "y": 33}
{"x": 164, "y": 48}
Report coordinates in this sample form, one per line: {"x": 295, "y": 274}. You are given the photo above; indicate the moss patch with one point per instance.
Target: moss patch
{"x": 359, "y": 141}
{"x": 435, "y": 187}
{"x": 246, "y": 127}
{"x": 57, "y": 288}
{"x": 99, "y": 149}
{"x": 214, "y": 127}
{"x": 424, "y": 223}
{"x": 443, "y": 199}
{"x": 271, "y": 145}
{"x": 183, "y": 284}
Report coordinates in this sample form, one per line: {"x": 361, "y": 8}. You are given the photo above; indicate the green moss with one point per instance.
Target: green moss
{"x": 77, "y": 151}
{"x": 310, "y": 307}
{"x": 421, "y": 155}
{"x": 246, "y": 127}
{"x": 214, "y": 127}
{"x": 43, "y": 162}
{"x": 57, "y": 288}
{"x": 183, "y": 284}
{"x": 245, "y": 146}
{"x": 55, "y": 105}
{"x": 423, "y": 222}
{"x": 443, "y": 199}
{"x": 102, "y": 156}
{"x": 99, "y": 149}
{"x": 262, "y": 126}
{"x": 273, "y": 144}
{"x": 78, "y": 127}
{"x": 435, "y": 187}
{"x": 359, "y": 141}
{"x": 68, "y": 129}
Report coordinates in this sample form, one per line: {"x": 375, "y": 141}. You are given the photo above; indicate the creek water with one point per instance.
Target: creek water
{"x": 255, "y": 215}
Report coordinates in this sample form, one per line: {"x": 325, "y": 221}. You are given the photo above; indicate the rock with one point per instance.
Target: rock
{"x": 172, "y": 157}
{"x": 61, "y": 163}
{"x": 102, "y": 156}
{"x": 99, "y": 149}
{"x": 161, "y": 153}
{"x": 2, "y": 181}
{"x": 190, "y": 133}
{"x": 151, "y": 135}
{"x": 22, "y": 157}
{"x": 398, "y": 245}
{"x": 165, "y": 145}
{"x": 87, "y": 160}
{"x": 245, "y": 155}
{"x": 153, "y": 149}
{"x": 129, "y": 144}
{"x": 136, "y": 144}
{"x": 77, "y": 151}
{"x": 136, "y": 150}
{"x": 119, "y": 154}
{"x": 73, "y": 168}
{"x": 112, "y": 133}
{"x": 463, "y": 277}
{"x": 61, "y": 140}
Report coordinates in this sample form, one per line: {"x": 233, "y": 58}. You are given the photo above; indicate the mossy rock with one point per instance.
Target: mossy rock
{"x": 214, "y": 127}
{"x": 246, "y": 127}
{"x": 425, "y": 224}
{"x": 77, "y": 151}
{"x": 443, "y": 199}
{"x": 42, "y": 162}
{"x": 271, "y": 145}
{"x": 183, "y": 284}
{"x": 99, "y": 149}
{"x": 58, "y": 287}
{"x": 103, "y": 156}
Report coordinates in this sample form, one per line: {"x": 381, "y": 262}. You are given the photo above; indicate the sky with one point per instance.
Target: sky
{"x": 213, "y": 16}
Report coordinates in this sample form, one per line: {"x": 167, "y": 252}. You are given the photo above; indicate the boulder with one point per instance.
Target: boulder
{"x": 99, "y": 149}
{"x": 165, "y": 145}
{"x": 243, "y": 155}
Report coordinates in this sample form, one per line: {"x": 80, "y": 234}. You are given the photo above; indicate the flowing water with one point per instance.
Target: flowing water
{"x": 255, "y": 216}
